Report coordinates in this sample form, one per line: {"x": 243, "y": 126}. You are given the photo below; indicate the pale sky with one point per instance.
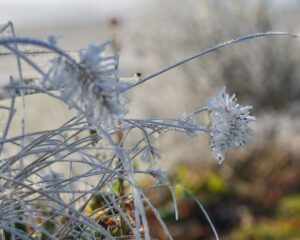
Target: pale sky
{"x": 44, "y": 12}
{"x": 41, "y": 12}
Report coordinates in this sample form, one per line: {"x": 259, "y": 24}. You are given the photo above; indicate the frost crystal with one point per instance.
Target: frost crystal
{"x": 229, "y": 123}
{"x": 91, "y": 86}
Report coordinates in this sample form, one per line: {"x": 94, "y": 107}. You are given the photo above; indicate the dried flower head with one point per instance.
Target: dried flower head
{"x": 229, "y": 123}
{"x": 91, "y": 86}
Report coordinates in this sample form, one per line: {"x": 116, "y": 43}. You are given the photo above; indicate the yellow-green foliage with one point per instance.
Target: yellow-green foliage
{"x": 290, "y": 206}
{"x": 206, "y": 182}
{"x": 280, "y": 229}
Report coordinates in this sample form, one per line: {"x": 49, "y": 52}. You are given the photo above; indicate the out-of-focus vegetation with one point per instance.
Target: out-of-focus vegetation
{"x": 254, "y": 198}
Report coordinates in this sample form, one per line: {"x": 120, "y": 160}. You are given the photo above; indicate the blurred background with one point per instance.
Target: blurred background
{"x": 255, "y": 193}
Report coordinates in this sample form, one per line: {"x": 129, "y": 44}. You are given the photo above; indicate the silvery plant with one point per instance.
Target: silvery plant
{"x": 98, "y": 195}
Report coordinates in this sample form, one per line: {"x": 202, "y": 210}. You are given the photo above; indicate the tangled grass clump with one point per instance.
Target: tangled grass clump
{"x": 103, "y": 200}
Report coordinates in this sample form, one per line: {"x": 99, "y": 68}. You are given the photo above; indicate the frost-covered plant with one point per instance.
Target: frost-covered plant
{"x": 92, "y": 85}
{"x": 97, "y": 195}
{"x": 229, "y": 122}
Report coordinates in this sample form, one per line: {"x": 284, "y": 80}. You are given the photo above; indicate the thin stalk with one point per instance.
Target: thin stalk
{"x": 205, "y": 214}
{"x": 20, "y": 72}
{"x": 121, "y": 190}
{"x": 209, "y": 50}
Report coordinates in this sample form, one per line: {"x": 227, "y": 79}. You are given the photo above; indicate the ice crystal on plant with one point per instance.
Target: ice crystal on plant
{"x": 187, "y": 122}
{"x": 229, "y": 123}
{"x": 52, "y": 40}
{"x": 150, "y": 153}
{"x": 92, "y": 86}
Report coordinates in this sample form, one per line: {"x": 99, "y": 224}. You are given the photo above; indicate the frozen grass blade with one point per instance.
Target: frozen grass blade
{"x": 205, "y": 213}
{"x": 212, "y": 49}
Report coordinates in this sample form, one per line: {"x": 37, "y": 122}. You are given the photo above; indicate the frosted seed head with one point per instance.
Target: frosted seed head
{"x": 229, "y": 123}
{"x": 92, "y": 86}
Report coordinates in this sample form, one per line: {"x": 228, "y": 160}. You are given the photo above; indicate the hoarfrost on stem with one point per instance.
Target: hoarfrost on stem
{"x": 91, "y": 86}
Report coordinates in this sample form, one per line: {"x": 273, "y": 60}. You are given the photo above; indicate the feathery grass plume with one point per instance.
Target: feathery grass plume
{"x": 229, "y": 123}
{"x": 92, "y": 85}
